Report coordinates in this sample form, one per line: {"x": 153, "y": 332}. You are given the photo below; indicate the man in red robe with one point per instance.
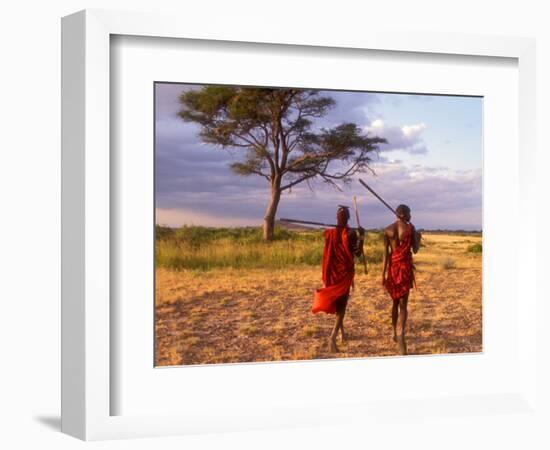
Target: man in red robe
{"x": 341, "y": 244}
{"x": 401, "y": 240}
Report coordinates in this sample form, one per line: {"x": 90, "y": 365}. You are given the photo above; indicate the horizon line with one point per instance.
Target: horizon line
{"x": 312, "y": 228}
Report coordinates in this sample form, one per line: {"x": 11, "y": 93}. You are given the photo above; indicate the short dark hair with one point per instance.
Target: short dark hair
{"x": 403, "y": 210}
{"x": 345, "y": 209}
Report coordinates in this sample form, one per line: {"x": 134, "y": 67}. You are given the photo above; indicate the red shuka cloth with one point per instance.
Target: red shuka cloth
{"x": 338, "y": 271}
{"x": 400, "y": 276}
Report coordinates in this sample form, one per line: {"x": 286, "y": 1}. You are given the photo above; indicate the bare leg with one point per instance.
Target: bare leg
{"x": 338, "y": 324}
{"x": 394, "y": 316}
{"x": 343, "y": 313}
{"x": 332, "y": 341}
{"x": 403, "y": 314}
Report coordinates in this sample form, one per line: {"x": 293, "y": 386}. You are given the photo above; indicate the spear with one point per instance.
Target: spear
{"x": 307, "y": 222}
{"x": 359, "y": 226}
{"x": 377, "y": 196}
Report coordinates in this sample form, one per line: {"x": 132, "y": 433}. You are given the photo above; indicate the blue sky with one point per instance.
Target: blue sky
{"x": 453, "y": 126}
{"x": 432, "y": 162}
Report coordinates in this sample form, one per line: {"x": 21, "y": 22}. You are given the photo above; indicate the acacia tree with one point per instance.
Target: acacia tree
{"x": 275, "y": 128}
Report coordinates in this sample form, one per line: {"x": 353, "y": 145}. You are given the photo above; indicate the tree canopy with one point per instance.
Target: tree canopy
{"x": 276, "y": 129}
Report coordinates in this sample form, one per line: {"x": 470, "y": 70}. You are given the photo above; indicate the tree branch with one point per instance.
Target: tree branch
{"x": 295, "y": 182}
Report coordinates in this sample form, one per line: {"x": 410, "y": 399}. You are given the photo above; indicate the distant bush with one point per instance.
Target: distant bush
{"x": 199, "y": 236}
{"x": 162, "y": 232}
{"x": 475, "y": 248}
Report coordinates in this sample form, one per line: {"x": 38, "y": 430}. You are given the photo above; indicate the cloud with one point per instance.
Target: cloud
{"x": 439, "y": 198}
{"x": 353, "y": 107}
{"x": 413, "y": 131}
{"x": 195, "y": 185}
{"x": 407, "y": 138}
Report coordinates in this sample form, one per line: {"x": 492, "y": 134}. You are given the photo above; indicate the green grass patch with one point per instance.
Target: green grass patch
{"x": 475, "y": 248}
{"x": 203, "y": 248}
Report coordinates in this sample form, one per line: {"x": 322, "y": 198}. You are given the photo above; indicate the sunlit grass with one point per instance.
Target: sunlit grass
{"x": 247, "y": 313}
{"x": 208, "y": 248}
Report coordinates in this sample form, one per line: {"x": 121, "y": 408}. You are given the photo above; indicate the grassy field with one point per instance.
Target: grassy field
{"x": 223, "y": 295}
{"x": 204, "y": 249}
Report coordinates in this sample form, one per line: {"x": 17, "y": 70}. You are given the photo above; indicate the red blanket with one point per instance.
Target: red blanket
{"x": 400, "y": 276}
{"x": 338, "y": 271}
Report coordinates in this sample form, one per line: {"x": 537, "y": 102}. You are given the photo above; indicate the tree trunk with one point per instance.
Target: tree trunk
{"x": 270, "y": 212}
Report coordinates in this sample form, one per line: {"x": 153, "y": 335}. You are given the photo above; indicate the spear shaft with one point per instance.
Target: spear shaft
{"x": 377, "y": 196}
{"x": 359, "y": 226}
{"x": 307, "y": 222}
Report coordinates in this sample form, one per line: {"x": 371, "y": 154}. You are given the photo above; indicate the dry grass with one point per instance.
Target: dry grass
{"x": 447, "y": 263}
{"x": 242, "y": 315}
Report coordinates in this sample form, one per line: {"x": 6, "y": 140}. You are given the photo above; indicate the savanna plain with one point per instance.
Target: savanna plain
{"x": 223, "y": 295}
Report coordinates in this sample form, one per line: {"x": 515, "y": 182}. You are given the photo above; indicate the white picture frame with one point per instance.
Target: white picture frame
{"x": 86, "y": 222}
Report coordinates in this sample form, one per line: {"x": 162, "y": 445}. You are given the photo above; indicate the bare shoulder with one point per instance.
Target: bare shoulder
{"x": 390, "y": 230}
{"x": 401, "y": 227}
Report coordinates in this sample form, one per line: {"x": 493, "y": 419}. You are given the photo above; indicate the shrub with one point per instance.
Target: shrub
{"x": 475, "y": 248}
{"x": 162, "y": 232}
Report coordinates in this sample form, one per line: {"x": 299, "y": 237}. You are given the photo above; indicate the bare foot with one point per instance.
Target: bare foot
{"x": 344, "y": 337}
{"x": 332, "y": 346}
{"x": 394, "y": 337}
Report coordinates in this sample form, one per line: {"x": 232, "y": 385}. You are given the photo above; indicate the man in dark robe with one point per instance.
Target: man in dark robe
{"x": 401, "y": 240}
{"x": 341, "y": 245}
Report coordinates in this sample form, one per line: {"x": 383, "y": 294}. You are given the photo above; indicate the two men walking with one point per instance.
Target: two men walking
{"x": 342, "y": 244}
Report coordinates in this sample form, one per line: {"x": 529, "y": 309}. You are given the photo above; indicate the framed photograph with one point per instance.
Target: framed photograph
{"x": 248, "y": 181}
{"x": 238, "y": 241}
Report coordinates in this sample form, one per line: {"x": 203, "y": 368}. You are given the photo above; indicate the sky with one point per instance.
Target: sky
{"x": 432, "y": 162}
